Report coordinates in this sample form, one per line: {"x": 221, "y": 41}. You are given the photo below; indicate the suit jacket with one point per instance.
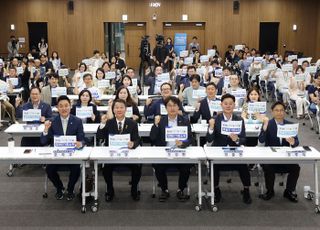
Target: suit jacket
{"x": 219, "y": 139}
{"x": 157, "y": 134}
{"x": 46, "y": 110}
{"x": 74, "y": 128}
{"x": 46, "y": 94}
{"x": 269, "y": 137}
{"x": 94, "y": 110}
{"x": 151, "y": 81}
{"x": 220, "y": 86}
{"x": 111, "y": 127}
{"x": 204, "y": 111}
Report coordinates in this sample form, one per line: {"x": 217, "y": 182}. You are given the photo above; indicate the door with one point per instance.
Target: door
{"x": 268, "y": 41}
{"x": 37, "y": 30}
{"x": 190, "y": 28}
{"x": 133, "y": 35}
{"x": 114, "y": 38}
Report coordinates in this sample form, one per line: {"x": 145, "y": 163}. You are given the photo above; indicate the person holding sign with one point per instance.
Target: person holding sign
{"x": 154, "y": 108}
{"x": 228, "y": 129}
{"x": 159, "y": 137}
{"x": 126, "y": 81}
{"x": 5, "y": 103}
{"x": 77, "y": 77}
{"x": 35, "y": 104}
{"x": 132, "y": 108}
{"x": 314, "y": 93}
{"x": 183, "y": 81}
{"x": 194, "y": 93}
{"x": 46, "y": 92}
{"x": 120, "y": 125}
{"x": 135, "y": 81}
{"x": 105, "y": 86}
{"x": 88, "y": 84}
{"x": 12, "y": 79}
{"x": 65, "y": 124}
{"x": 209, "y": 106}
{"x": 269, "y": 137}
{"x": 224, "y": 80}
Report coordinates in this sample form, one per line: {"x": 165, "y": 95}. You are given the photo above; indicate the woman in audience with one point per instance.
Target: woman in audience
{"x": 56, "y": 61}
{"x": 126, "y": 81}
{"x": 77, "y": 80}
{"x": 297, "y": 92}
{"x": 100, "y": 75}
{"x": 132, "y": 108}
{"x": 314, "y": 93}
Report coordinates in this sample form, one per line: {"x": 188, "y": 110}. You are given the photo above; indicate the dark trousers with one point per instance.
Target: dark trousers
{"x": 241, "y": 168}
{"x": 135, "y": 174}
{"x": 161, "y": 174}
{"x": 52, "y": 171}
{"x": 292, "y": 169}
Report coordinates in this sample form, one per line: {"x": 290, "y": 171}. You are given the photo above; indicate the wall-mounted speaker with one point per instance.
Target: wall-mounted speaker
{"x": 70, "y": 5}
{"x": 236, "y": 5}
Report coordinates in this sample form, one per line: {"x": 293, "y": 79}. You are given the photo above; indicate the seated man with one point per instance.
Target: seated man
{"x": 188, "y": 93}
{"x": 120, "y": 125}
{"x": 35, "y": 103}
{"x": 64, "y": 124}
{"x": 268, "y": 136}
{"x": 214, "y": 135}
{"x": 152, "y": 109}
{"x": 6, "y": 106}
{"x": 158, "y": 138}
{"x": 46, "y": 92}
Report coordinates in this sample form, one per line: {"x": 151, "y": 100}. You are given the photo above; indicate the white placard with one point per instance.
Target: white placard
{"x": 226, "y": 81}
{"x": 64, "y": 142}
{"x": 134, "y": 82}
{"x": 63, "y": 72}
{"x": 163, "y": 110}
{"x": 239, "y": 47}
{"x": 176, "y": 133}
{"x": 211, "y": 52}
{"x": 301, "y": 60}
{"x": 188, "y": 60}
{"x": 3, "y": 88}
{"x": 58, "y": 91}
{"x": 292, "y": 57}
{"x": 165, "y": 77}
{"x": 257, "y": 107}
{"x": 204, "y": 58}
{"x": 258, "y": 59}
{"x": 22, "y": 39}
{"x": 311, "y": 69}
{"x": 31, "y": 115}
{"x": 19, "y": 70}
{"x": 264, "y": 72}
{"x": 129, "y": 112}
{"x": 271, "y": 67}
{"x": 110, "y": 75}
{"x": 240, "y": 93}
{"x": 88, "y": 62}
{"x": 94, "y": 92}
{"x": 289, "y": 130}
{"x": 249, "y": 59}
{"x": 132, "y": 90}
{"x": 119, "y": 140}
{"x": 300, "y": 77}
{"x": 218, "y": 72}
{"x": 231, "y": 127}
{"x": 103, "y": 83}
{"x": 199, "y": 93}
{"x": 287, "y": 68}
{"x": 184, "y": 53}
{"x": 14, "y": 81}
{"x": 215, "y": 106}
{"x": 84, "y": 112}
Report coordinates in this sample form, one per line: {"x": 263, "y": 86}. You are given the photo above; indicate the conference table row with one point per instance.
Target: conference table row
{"x": 164, "y": 155}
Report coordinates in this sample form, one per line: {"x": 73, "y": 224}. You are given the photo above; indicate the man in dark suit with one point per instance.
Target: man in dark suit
{"x": 214, "y": 135}
{"x": 34, "y": 103}
{"x": 64, "y": 124}
{"x": 268, "y": 136}
{"x": 120, "y": 125}
{"x": 158, "y": 138}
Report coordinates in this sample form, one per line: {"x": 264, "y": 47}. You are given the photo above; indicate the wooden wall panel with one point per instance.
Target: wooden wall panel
{"x": 76, "y": 35}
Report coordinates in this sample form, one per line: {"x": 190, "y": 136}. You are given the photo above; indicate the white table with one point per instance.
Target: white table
{"x": 148, "y": 155}
{"x": 44, "y": 155}
{"x": 263, "y": 155}
{"x": 252, "y": 130}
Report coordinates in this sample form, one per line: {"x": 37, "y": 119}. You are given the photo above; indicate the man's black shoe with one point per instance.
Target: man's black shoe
{"x": 290, "y": 196}
{"x": 59, "y": 195}
{"x": 70, "y": 196}
{"x": 109, "y": 196}
{"x": 181, "y": 196}
{"x": 164, "y": 196}
{"x": 268, "y": 195}
{"x": 135, "y": 194}
{"x": 246, "y": 198}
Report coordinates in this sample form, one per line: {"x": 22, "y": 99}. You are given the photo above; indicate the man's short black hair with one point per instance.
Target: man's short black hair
{"x": 166, "y": 83}
{"x": 63, "y": 98}
{"x": 118, "y": 101}
{"x": 191, "y": 67}
{"x": 35, "y": 87}
{"x": 86, "y": 75}
{"x": 278, "y": 103}
{"x": 226, "y": 96}
{"x": 173, "y": 99}
{"x": 53, "y": 75}
{"x": 195, "y": 76}
{"x": 211, "y": 83}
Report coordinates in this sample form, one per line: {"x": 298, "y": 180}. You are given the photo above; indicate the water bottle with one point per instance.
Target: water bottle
{"x": 306, "y": 190}
{"x": 11, "y": 145}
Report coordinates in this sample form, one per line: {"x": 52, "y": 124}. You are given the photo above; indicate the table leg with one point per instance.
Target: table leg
{"x": 95, "y": 140}
{"x": 83, "y": 207}
{"x": 199, "y": 184}
{"x": 198, "y": 139}
{"x": 316, "y": 195}
{"x": 96, "y": 180}
{"x": 212, "y": 182}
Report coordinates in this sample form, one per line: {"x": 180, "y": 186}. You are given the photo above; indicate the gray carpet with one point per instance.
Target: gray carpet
{"x": 22, "y": 205}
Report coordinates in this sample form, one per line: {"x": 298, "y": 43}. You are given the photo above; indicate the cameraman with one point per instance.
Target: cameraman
{"x": 161, "y": 53}
{"x": 13, "y": 47}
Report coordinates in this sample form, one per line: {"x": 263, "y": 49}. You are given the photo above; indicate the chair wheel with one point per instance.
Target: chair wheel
{"x": 229, "y": 181}
{"x": 214, "y": 208}
{"x": 256, "y": 184}
{"x": 9, "y": 173}
{"x": 153, "y": 196}
{"x": 311, "y": 128}
{"x": 45, "y": 195}
{"x": 205, "y": 182}
{"x": 83, "y": 209}
{"x": 198, "y": 208}
{"x": 317, "y": 209}
{"x": 280, "y": 183}
{"x": 94, "y": 208}
{"x": 303, "y": 124}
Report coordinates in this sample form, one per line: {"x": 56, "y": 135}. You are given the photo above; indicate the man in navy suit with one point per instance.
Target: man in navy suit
{"x": 151, "y": 81}
{"x": 158, "y": 138}
{"x": 214, "y": 135}
{"x": 67, "y": 125}
{"x": 268, "y": 136}
{"x": 120, "y": 125}
{"x": 35, "y": 103}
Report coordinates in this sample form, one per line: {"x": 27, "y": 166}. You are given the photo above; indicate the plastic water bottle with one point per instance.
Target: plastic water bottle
{"x": 306, "y": 190}
{"x": 11, "y": 145}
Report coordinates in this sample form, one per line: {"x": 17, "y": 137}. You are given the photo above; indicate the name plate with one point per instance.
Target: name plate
{"x": 121, "y": 152}
{"x": 175, "y": 152}
{"x": 232, "y": 152}
{"x": 211, "y": 52}
{"x": 300, "y": 77}
{"x": 296, "y": 153}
